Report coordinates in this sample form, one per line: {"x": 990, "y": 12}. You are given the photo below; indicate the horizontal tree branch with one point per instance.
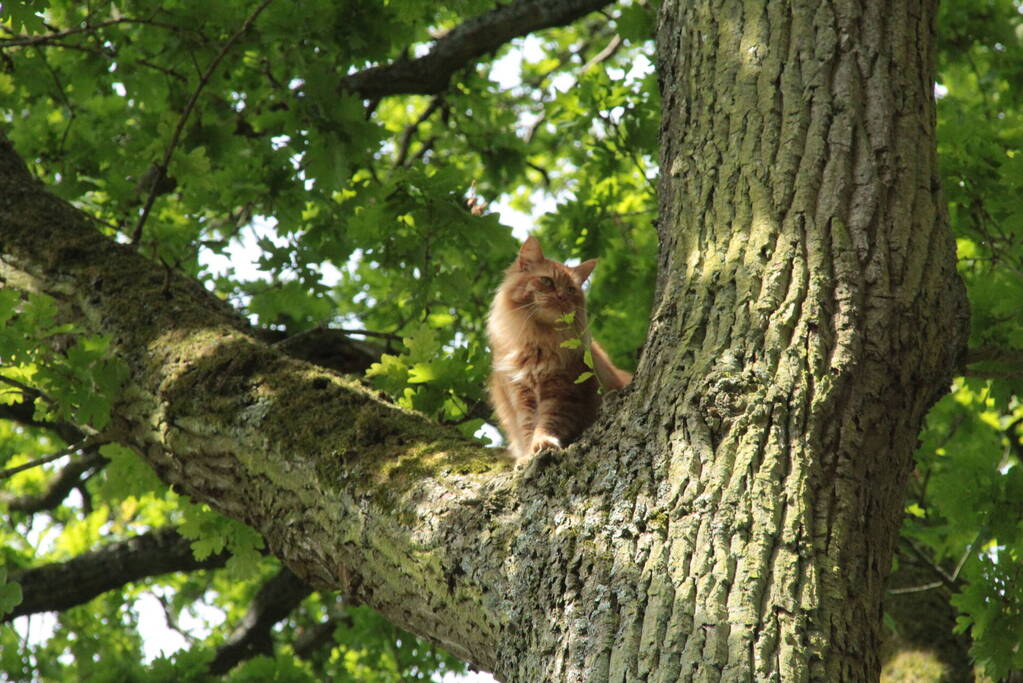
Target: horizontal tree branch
{"x": 73, "y": 475}
{"x": 55, "y": 36}
{"x": 430, "y": 74}
{"x": 328, "y": 348}
{"x": 352, "y": 493}
{"x": 85, "y": 445}
{"x": 23, "y": 412}
{"x": 58, "y": 586}
{"x": 1004, "y": 363}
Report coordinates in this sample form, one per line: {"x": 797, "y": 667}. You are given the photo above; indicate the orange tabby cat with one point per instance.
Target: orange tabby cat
{"x": 533, "y": 381}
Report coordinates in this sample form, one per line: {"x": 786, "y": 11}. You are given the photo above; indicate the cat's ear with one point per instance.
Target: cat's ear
{"x": 584, "y": 269}
{"x": 530, "y": 255}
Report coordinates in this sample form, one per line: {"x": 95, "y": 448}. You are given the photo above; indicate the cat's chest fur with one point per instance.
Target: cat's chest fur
{"x": 532, "y": 363}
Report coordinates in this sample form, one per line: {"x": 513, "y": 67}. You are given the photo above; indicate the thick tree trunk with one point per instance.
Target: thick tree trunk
{"x": 733, "y": 514}
{"x": 808, "y": 315}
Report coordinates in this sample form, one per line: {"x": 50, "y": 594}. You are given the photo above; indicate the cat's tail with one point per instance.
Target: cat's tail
{"x": 611, "y": 378}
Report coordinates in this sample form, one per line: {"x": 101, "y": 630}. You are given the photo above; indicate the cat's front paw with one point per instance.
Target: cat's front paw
{"x": 541, "y": 441}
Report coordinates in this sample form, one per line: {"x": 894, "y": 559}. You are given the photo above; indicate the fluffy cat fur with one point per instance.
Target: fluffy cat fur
{"x": 533, "y": 379}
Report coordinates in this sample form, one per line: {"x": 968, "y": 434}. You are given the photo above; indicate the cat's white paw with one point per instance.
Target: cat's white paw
{"x": 542, "y": 441}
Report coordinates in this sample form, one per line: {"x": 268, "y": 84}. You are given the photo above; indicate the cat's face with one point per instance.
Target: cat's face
{"x": 547, "y": 288}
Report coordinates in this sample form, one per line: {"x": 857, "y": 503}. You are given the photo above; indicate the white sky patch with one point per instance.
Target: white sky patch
{"x": 158, "y": 639}
{"x": 507, "y": 71}
{"x": 241, "y": 257}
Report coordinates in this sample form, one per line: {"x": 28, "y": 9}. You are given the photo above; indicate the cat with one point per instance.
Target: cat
{"x": 534, "y": 383}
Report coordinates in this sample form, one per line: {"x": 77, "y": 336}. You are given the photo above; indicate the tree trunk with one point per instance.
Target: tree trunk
{"x": 808, "y": 315}
{"x": 732, "y": 516}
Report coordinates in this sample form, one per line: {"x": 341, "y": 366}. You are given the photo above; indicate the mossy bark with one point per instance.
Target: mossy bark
{"x": 732, "y": 515}
{"x": 808, "y": 314}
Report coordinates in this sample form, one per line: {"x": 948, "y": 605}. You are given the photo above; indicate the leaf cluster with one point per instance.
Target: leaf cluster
{"x": 964, "y": 516}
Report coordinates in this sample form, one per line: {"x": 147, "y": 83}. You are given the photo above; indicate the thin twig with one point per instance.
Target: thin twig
{"x": 949, "y": 580}
{"x": 162, "y": 69}
{"x": 22, "y": 41}
{"x": 369, "y": 333}
{"x": 603, "y": 55}
{"x": 427, "y": 146}
{"x": 391, "y": 336}
{"x": 88, "y": 443}
{"x": 962, "y": 561}
{"x": 931, "y": 564}
{"x": 406, "y": 138}
{"x": 172, "y": 620}
{"x": 161, "y": 170}
{"x": 609, "y": 49}
{"x": 71, "y": 477}
{"x": 26, "y": 390}
{"x": 63, "y": 96}
{"x": 916, "y": 589}
{"x": 542, "y": 171}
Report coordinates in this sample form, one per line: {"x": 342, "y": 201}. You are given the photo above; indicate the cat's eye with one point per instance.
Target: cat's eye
{"x": 571, "y": 289}
{"x": 547, "y": 282}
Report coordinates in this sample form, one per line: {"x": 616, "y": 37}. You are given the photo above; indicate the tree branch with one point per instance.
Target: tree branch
{"x": 352, "y": 493}
{"x": 171, "y": 619}
{"x": 59, "y": 586}
{"x": 59, "y": 487}
{"x": 26, "y": 390}
{"x": 1010, "y": 360}
{"x": 474, "y": 38}
{"x": 331, "y": 348}
{"x": 252, "y": 636}
{"x": 64, "y": 452}
{"x": 312, "y": 640}
{"x": 23, "y": 412}
{"x": 48, "y": 38}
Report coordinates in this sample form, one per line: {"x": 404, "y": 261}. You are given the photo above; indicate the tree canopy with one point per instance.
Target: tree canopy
{"x": 344, "y": 144}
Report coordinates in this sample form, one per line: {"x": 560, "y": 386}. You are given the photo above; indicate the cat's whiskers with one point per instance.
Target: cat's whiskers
{"x": 534, "y": 309}
{"x": 525, "y": 305}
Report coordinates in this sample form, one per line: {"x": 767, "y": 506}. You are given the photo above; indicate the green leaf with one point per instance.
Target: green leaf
{"x": 25, "y": 16}
{"x": 211, "y": 532}
{"x": 126, "y": 474}
{"x": 9, "y": 299}
{"x": 10, "y": 593}
{"x": 423, "y": 372}
{"x": 423, "y": 344}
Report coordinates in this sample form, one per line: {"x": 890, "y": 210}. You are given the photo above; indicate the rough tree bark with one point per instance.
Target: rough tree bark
{"x": 809, "y": 313}
{"x": 733, "y": 514}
